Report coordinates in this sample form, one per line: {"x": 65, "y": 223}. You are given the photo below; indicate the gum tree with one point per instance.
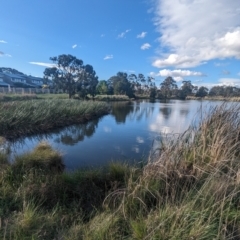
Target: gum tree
{"x": 72, "y": 76}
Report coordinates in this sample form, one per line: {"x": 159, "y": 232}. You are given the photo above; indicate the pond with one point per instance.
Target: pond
{"x": 128, "y": 133}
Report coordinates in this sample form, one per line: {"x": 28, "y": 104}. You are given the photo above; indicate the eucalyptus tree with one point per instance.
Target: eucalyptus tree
{"x": 186, "y": 89}
{"x": 102, "y": 87}
{"x": 71, "y": 75}
{"x": 120, "y": 84}
{"x": 202, "y": 92}
{"x": 168, "y": 87}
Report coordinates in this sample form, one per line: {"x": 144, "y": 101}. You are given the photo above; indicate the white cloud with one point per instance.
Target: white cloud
{"x": 177, "y": 74}
{"x": 130, "y": 71}
{"x": 108, "y": 57}
{"x": 142, "y": 35}
{"x": 44, "y": 64}
{"x": 145, "y": 46}
{"x": 107, "y": 129}
{"x": 239, "y": 74}
{"x": 102, "y": 35}
{"x": 74, "y": 46}
{"x": 139, "y": 139}
{"x": 2, "y": 54}
{"x": 136, "y": 149}
{"x": 122, "y": 35}
{"x": 2, "y": 41}
{"x": 195, "y": 31}
{"x": 229, "y": 82}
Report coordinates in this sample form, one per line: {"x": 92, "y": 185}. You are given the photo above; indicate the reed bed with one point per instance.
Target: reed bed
{"x": 215, "y": 98}
{"x": 221, "y": 98}
{"x": 29, "y": 117}
{"x": 191, "y": 190}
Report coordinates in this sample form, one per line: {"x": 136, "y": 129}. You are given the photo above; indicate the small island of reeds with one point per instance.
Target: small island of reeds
{"x": 19, "y": 118}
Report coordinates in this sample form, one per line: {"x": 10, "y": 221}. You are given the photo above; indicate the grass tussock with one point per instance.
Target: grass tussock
{"x": 29, "y": 117}
{"x": 41, "y": 201}
{"x": 190, "y": 191}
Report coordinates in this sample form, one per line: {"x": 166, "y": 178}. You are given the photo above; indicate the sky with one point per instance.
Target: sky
{"x": 197, "y": 40}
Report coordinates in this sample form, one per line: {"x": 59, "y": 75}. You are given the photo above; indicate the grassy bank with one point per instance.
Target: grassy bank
{"x": 29, "y": 117}
{"x": 215, "y": 98}
{"x": 190, "y": 191}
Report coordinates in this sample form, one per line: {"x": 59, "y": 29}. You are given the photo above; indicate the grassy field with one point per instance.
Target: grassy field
{"x": 18, "y": 118}
{"x": 190, "y": 191}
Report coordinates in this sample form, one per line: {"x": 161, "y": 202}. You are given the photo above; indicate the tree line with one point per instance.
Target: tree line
{"x": 70, "y": 75}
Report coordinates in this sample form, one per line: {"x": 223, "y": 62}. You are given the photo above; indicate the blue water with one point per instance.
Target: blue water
{"x": 128, "y": 133}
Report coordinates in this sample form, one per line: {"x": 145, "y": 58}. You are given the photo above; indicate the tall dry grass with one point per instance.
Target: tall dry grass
{"x": 191, "y": 191}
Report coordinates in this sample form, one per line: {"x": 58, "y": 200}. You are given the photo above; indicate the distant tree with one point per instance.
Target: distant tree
{"x": 202, "y": 92}
{"x": 140, "y": 84}
{"x": 225, "y": 91}
{"x": 216, "y": 91}
{"x": 120, "y": 84}
{"x": 87, "y": 81}
{"x": 133, "y": 79}
{"x": 70, "y": 75}
{"x": 186, "y": 89}
{"x": 168, "y": 87}
{"x": 102, "y": 87}
{"x": 153, "y": 92}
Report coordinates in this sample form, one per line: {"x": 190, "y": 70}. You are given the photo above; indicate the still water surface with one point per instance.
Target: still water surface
{"x": 127, "y": 134}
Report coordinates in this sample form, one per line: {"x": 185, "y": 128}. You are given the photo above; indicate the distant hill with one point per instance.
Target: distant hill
{"x": 10, "y": 70}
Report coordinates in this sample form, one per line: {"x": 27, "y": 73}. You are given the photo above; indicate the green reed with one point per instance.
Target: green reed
{"x": 29, "y": 117}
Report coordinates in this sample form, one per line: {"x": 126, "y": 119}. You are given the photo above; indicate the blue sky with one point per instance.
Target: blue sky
{"x": 186, "y": 39}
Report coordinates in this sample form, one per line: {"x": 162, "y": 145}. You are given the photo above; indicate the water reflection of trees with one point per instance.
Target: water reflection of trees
{"x": 184, "y": 112}
{"x": 166, "y": 112}
{"x": 121, "y": 110}
{"x": 68, "y": 136}
{"x": 74, "y": 134}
